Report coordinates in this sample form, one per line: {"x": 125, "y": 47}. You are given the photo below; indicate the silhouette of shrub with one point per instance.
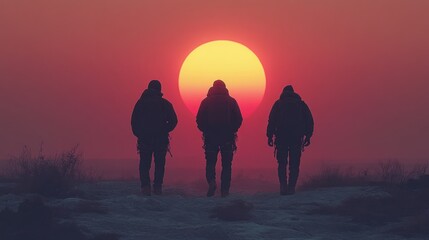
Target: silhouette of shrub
{"x": 236, "y": 210}
{"x": 53, "y": 176}
{"x": 332, "y": 176}
{"x": 388, "y": 173}
{"x": 393, "y": 172}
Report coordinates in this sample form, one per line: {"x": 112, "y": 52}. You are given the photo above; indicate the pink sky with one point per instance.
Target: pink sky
{"x": 71, "y": 72}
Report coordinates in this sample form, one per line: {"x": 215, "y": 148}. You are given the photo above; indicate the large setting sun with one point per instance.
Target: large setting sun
{"x": 229, "y": 61}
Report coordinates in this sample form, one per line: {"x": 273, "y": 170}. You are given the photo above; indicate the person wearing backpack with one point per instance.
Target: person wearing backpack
{"x": 152, "y": 119}
{"x": 291, "y": 123}
{"x": 219, "y": 118}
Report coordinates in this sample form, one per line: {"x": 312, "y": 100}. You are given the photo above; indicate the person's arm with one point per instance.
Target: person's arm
{"x": 202, "y": 117}
{"x": 309, "y": 122}
{"x": 135, "y": 121}
{"x": 236, "y": 116}
{"x": 272, "y": 121}
{"x": 171, "y": 118}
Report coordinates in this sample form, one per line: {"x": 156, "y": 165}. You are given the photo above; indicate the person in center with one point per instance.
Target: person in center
{"x": 152, "y": 120}
{"x": 219, "y": 118}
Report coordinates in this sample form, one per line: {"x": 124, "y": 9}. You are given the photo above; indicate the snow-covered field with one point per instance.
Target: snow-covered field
{"x": 119, "y": 208}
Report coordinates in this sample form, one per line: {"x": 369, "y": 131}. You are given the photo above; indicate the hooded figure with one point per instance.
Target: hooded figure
{"x": 219, "y": 118}
{"x": 291, "y": 123}
{"x": 152, "y": 119}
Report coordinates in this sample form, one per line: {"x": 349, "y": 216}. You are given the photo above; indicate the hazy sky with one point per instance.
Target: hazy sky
{"x": 71, "y": 72}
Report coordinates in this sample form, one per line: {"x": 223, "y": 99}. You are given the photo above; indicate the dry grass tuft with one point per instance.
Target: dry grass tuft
{"x": 52, "y": 176}
{"x": 385, "y": 173}
{"x": 334, "y": 176}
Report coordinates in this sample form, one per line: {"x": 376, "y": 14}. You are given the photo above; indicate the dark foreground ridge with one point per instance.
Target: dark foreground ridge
{"x": 117, "y": 210}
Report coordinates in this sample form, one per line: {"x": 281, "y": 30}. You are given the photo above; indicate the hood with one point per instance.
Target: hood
{"x": 149, "y": 93}
{"x": 217, "y": 91}
{"x": 290, "y": 96}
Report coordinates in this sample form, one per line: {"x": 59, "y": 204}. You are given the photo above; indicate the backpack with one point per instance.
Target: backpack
{"x": 152, "y": 117}
{"x": 220, "y": 113}
{"x": 292, "y": 121}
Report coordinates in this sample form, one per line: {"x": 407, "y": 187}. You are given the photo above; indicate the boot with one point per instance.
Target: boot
{"x": 157, "y": 189}
{"x": 224, "y": 193}
{"x": 212, "y": 189}
{"x": 290, "y": 190}
{"x": 283, "y": 189}
{"x": 145, "y": 190}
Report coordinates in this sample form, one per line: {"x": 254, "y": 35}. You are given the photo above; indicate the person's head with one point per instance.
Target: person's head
{"x": 154, "y": 85}
{"x": 288, "y": 88}
{"x": 219, "y": 84}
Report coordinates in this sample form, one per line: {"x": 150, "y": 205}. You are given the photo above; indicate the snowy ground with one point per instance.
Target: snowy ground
{"x": 178, "y": 215}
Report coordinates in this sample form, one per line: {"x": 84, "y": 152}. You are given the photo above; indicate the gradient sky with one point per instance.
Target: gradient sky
{"x": 71, "y": 72}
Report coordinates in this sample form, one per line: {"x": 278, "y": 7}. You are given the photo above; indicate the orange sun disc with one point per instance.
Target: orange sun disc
{"x": 229, "y": 61}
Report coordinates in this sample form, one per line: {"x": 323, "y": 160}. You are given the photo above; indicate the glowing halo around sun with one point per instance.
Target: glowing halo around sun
{"x": 229, "y": 61}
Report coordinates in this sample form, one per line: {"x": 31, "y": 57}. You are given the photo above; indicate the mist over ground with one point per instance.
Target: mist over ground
{"x": 244, "y": 180}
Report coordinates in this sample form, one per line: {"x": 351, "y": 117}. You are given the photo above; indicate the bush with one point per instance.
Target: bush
{"x": 393, "y": 172}
{"x": 385, "y": 173}
{"x": 53, "y": 176}
{"x": 331, "y": 176}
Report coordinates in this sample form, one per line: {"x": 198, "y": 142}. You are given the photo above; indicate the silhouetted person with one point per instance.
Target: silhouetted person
{"x": 219, "y": 118}
{"x": 292, "y": 125}
{"x": 152, "y": 120}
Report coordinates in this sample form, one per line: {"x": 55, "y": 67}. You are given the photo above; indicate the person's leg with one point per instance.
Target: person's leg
{"x": 282, "y": 153}
{"x": 211, "y": 152}
{"x": 227, "y": 156}
{"x": 144, "y": 167}
{"x": 294, "y": 162}
{"x": 159, "y": 158}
